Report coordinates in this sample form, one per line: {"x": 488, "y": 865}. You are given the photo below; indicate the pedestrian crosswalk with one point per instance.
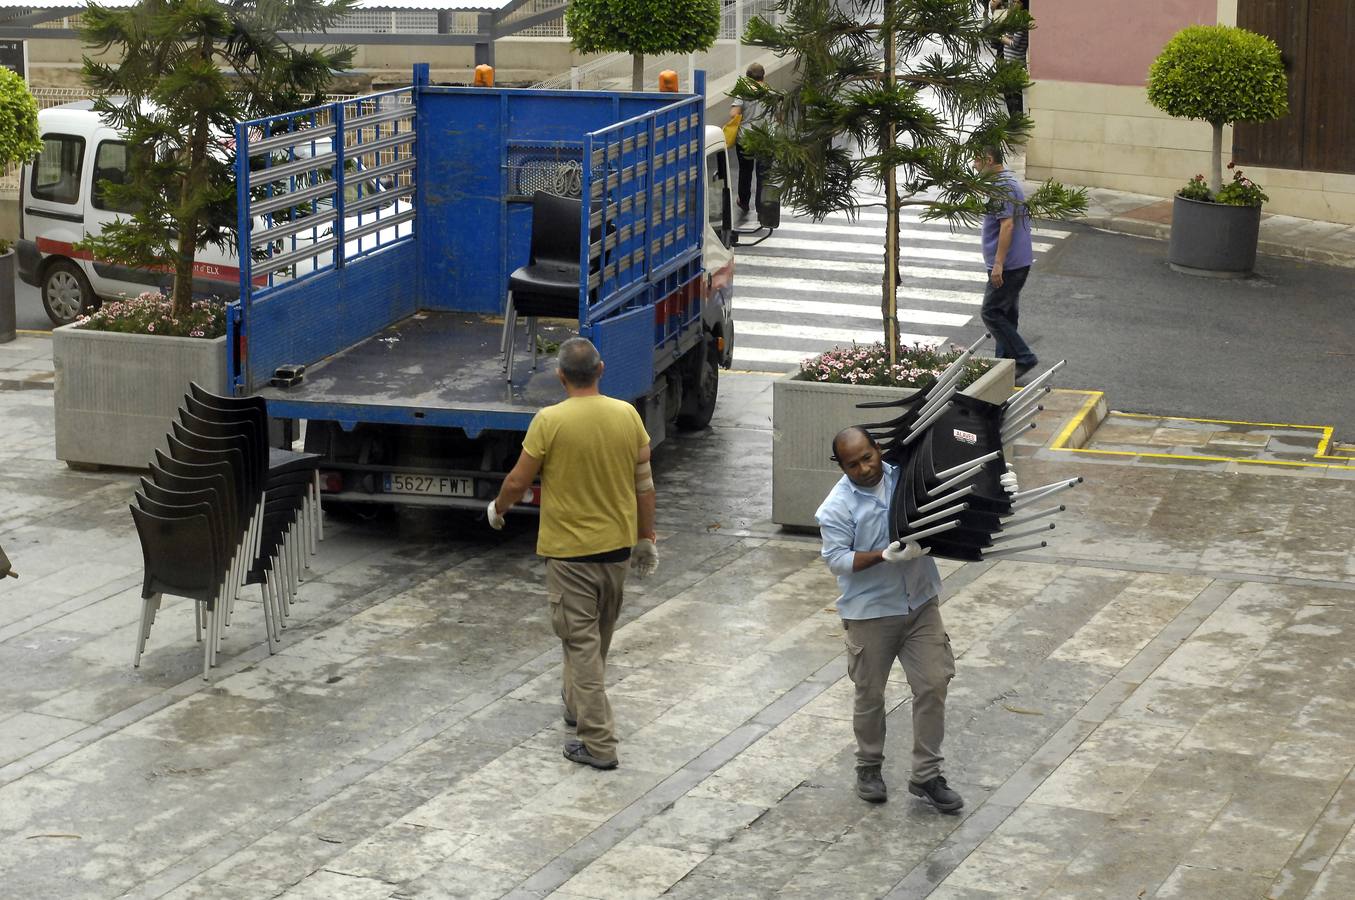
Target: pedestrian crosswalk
{"x": 813, "y": 286}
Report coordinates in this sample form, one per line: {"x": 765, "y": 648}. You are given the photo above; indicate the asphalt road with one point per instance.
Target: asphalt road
{"x": 1277, "y": 347}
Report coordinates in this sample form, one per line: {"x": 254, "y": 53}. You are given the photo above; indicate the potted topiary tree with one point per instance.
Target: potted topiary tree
{"x": 1222, "y": 75}
{"x": 19, "y": 142}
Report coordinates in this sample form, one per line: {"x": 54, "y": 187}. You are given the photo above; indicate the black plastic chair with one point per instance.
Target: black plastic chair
{"x": 549, "y": 284}
{"x": 171, "y": 490}
{"x": 181, "y": 558}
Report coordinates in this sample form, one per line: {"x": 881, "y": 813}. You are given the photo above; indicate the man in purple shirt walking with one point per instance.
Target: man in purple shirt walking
{"x": 1007, "y": 254}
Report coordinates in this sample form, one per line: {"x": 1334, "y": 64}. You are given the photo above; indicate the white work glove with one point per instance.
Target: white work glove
{"x": 1009, "y": 481}
{"x": 644, "y": 559}
{"x": 903, "y": 551}
{"x": 495, "y": 520}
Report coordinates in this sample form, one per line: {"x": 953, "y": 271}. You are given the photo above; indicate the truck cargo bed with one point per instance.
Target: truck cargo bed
{"x": 431, "y": 368}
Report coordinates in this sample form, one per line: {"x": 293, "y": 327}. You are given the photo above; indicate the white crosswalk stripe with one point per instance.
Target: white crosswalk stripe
{"x": 816, "y": 285}
{"x": 845, "y": 310}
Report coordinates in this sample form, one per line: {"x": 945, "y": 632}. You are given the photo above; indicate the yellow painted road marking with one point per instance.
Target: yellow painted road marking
{"x": 35, "y": 332}
{"x": 1093, "y": 396}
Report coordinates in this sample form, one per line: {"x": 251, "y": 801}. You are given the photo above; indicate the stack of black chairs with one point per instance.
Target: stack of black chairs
{"x": 954, "y": 495}
{"x": 222, "y": 510}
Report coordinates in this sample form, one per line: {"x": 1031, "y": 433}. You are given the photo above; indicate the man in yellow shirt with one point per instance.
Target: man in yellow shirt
{"x": 597, "y": 521}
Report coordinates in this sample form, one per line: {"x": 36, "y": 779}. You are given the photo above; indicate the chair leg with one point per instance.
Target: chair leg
{"x": 319, "y": 512}
{"x": 512, "y": 344}
{"x": 507, "y": 328}
{"x": 143, "y": 631}
{"x": 531, "y": 338}
{"x": 279, "y": 612}
{"x": 280, "y": 597}
{"x": 267, "y": 617}
{"x": 209, "y": 645}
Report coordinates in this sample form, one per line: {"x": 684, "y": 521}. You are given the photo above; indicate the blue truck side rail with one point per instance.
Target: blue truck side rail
{"x": 364, "y": 212}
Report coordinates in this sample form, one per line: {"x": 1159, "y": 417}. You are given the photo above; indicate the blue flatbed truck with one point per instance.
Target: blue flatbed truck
{"x": 397, "y": 323}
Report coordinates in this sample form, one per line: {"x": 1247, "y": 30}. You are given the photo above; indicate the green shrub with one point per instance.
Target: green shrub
{"x": 1219, "y": 74}
{"x": 642, "y": 28}
{"x": 19, "y": 139}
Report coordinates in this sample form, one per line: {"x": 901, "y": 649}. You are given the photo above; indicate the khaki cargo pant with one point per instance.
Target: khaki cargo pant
{"x": 920, "y": 643}
{"x": 585, "y": 600}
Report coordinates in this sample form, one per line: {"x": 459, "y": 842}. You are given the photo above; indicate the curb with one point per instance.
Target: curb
{"x": 1077, "y": 432}
{"x": 1161, "y": 231}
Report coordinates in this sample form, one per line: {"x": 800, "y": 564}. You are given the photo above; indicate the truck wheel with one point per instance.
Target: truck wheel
{"x": 698, "y": 402}
{"x": 66, "y": 294}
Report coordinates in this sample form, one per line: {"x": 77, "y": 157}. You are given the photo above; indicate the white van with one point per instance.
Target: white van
{"x": 60, "y": 205}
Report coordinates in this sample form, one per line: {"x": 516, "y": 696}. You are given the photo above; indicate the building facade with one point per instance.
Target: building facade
{"x": 1094, "y": 125}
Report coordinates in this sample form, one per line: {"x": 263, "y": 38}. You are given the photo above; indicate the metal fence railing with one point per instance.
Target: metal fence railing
{"x": 312, "y": 203}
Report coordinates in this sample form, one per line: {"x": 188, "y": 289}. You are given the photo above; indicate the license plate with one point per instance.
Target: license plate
{"x": 429, "y": 485}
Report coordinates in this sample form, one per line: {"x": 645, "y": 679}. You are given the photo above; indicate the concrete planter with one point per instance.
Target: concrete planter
{"x": 116, "y": 393}
{"x": 7, "y": 316}
{"x": 807, "y": 414}
{"x": 1214, "y": 239}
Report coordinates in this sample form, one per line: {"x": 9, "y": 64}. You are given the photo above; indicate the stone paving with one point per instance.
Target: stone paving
{"x": 1157, "y": 705}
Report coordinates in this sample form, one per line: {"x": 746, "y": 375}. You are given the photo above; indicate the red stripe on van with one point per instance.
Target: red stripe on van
{"x": 209, "y": 271}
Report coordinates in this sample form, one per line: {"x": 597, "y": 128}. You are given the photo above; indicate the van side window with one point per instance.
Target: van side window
{"x": 110, "y": 164}
{"x": 56, "y": 176}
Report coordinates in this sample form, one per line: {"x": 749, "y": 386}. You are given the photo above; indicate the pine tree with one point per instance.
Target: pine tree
{"x": 901, "y": 93}
{"x": 190, "y": 70}
{"x": 642, "y": 28}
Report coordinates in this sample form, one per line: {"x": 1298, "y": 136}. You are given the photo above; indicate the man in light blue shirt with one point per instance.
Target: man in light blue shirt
{"x": 889, "y": 611}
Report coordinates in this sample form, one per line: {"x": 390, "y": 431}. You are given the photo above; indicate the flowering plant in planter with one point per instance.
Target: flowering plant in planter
{"x": 918, "y": 366}
{"x": 1241, "y": 191}
{"x": 153, "y": 313}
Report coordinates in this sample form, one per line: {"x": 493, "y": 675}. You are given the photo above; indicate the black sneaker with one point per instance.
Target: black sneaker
{"x": 575, "y": 751}
{"x": 568, "y": 716}
{"x": 935, "y": 792}
{"x": 870, "y": 786}
{"x": 1024, "y": 369}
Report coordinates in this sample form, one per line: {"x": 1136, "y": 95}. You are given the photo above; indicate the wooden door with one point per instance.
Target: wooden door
{"x": 1317, "y": 42}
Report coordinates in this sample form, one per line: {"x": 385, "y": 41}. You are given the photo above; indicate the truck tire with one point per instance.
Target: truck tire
{"x": 66, "y": 294}
{"x": 701, "y": 390}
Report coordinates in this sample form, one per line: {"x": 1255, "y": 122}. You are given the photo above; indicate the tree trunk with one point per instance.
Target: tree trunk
{"x": 1216, "y": 161}
{"x": 889, "y": 304}
{"x": 192, "y": 185}
{"x": 637, "y": 72}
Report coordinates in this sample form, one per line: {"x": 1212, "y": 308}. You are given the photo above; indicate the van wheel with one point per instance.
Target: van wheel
{"x": 66, "y": 294}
